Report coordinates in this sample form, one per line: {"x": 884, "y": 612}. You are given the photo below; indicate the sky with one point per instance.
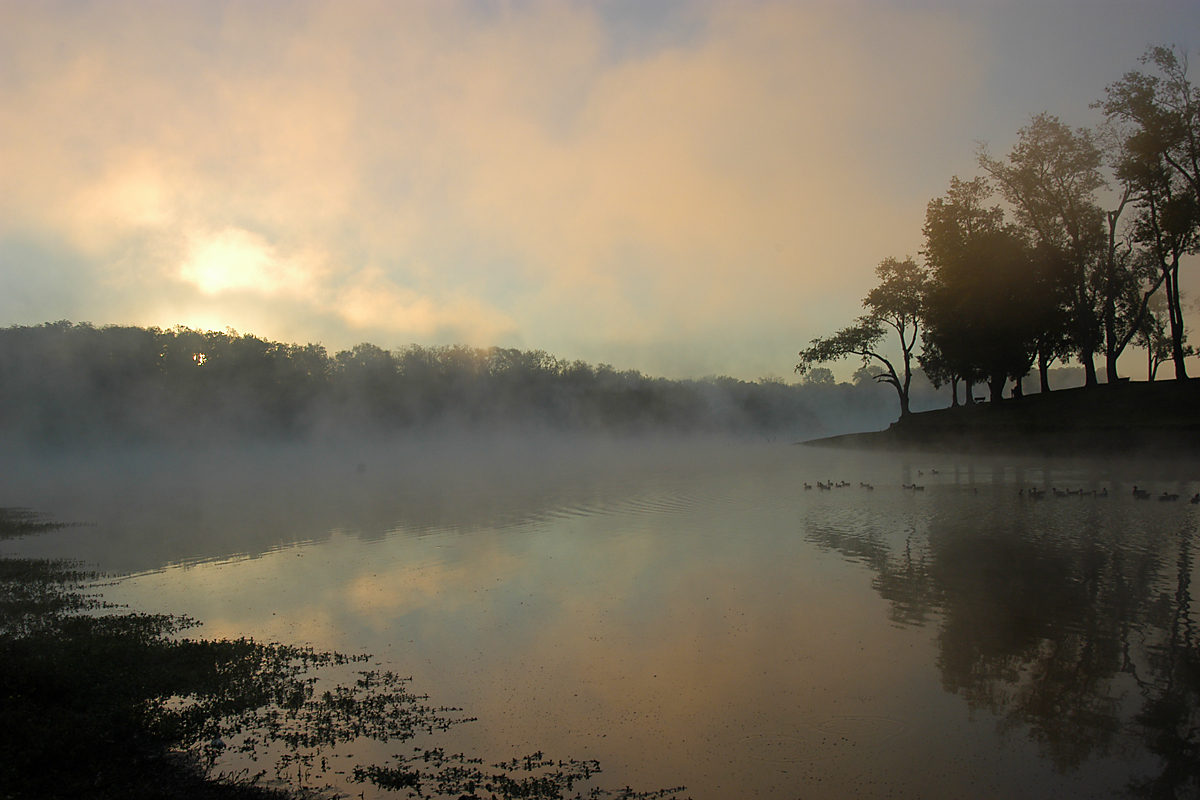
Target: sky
{"x": 684, "y": 187}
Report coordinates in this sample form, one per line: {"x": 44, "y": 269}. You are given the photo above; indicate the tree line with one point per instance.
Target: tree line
{"x": 1055, "y": 272}
{"x": 67, "y": 383}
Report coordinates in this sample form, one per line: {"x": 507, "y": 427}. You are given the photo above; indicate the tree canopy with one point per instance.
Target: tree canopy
{"x": 896, "y": 303}
{"x": 1049, "y": 273}
{"x": 69, "y": 384}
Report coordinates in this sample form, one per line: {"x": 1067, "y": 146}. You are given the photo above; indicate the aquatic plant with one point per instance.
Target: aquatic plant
{"x": 102, "y": 704}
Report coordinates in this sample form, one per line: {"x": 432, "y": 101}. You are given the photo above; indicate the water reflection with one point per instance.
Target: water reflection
{"x": 691, "y": 614}
{"x": 1069, "y": 623}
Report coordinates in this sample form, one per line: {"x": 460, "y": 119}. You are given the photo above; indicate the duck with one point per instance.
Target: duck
{"x": 1140, "y": 494}
{"x": 1195, "y": 499}
{"x": 1167, "y": 497}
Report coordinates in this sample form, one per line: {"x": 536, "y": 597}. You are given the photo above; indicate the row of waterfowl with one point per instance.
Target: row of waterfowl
{"x": 1138, "y": 494}
{"x": 1038, "y": 494}
{"x": 830, "y": 485}
{"x": 1033, "y": 493}
{"x": 1165, "y": 497}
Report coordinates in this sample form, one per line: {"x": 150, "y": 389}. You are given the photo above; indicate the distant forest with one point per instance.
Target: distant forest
{"x": 65, "y": 383}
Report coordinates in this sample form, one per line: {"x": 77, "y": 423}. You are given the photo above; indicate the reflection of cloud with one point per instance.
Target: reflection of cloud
{"x": 381, "y": 598}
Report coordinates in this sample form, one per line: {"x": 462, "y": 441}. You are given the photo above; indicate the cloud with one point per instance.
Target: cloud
{"x": 370, "y": 301}
{"x": 576, "y": 177}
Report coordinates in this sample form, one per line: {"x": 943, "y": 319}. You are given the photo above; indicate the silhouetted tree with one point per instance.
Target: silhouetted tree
{"x": 1051, "y": 178}
{"x": 896, "y": 303}
{"x": 1162, "y": 143}
{"x": 981, "y": 309}
{"x": 1166, "y": 228}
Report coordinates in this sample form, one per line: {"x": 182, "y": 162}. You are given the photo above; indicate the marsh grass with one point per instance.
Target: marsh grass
{"x": 100, "y": 702}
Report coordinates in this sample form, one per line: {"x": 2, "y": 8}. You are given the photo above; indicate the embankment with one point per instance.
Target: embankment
{"x": 1158, "y": 419}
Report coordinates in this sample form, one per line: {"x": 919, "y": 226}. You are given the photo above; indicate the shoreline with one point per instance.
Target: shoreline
{"x": 1152, "y": 419}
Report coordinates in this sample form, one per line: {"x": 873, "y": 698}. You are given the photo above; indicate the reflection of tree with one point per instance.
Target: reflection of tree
{"x": 1044, "y": 632}
{"x": 1024, "y": 637}
{"x": 1170, "y": 715}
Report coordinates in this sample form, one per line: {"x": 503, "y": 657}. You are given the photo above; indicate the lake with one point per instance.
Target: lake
{"x": 687, "y": 612}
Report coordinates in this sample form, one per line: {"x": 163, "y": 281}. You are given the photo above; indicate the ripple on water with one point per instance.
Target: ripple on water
{"x": 821, "y": 739}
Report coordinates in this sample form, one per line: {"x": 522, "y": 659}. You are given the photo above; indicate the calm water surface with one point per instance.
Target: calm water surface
{"x": 689, "y": 613}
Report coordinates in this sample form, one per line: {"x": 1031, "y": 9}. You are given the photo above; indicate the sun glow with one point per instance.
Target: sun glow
{"x": 232, "y": 260}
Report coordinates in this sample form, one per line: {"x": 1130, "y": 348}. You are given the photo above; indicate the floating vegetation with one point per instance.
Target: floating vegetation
{"x": 101, "y": 704}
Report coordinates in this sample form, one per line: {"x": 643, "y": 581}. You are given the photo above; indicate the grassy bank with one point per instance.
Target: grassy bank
{"x": 1159, "y": 419}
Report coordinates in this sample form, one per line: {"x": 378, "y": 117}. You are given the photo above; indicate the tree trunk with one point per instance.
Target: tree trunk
{"x": 996, "y": 388}
{"x": 969, "y": 389}
{"x": 1089, "y": 368}
{"x": 1176, "y": 321}
{"x": 904, "y": 412}
{"x": 954, "y": 392}
{"x": 1110, "y": 366}
{"x": 1110, "y": 328}
{"x": 1111, "y": 349}
{"x": 1043, "y": 373}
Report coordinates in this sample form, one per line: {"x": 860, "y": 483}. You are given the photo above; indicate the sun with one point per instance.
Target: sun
{"x": 231, "y": 260}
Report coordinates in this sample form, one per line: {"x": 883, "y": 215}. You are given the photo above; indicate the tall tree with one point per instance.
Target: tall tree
{"x": 980, "y": 305}
{"x": 896, "y": 303}
{"x": 1051, "y": 178}
{"x": 1162, "y": 143}
{"x": 1166, "y": 228}
{"x": 1163, "y": 110}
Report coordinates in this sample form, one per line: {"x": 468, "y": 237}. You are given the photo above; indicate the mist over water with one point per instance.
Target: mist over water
{"x": 685, "y": 611}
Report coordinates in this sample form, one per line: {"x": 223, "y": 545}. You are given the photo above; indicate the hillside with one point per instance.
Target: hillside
{"x": 1161, "y": 418}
